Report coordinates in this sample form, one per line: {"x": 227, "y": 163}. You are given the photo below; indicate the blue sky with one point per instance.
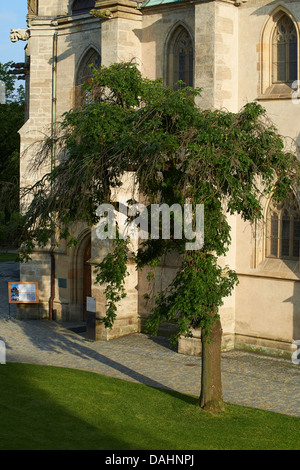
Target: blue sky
{"x": 12, "y": 15}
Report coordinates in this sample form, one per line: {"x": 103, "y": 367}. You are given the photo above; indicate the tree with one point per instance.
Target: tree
{"x": 179, "y": 153}
{"x": 13, "y": 94}
{"x": 12, "y": 119}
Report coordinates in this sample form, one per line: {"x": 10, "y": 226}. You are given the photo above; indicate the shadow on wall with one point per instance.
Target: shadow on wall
{"x": 266, "y": 9}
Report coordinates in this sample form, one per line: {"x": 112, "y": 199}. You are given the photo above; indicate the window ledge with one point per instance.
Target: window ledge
{"x": 276, "y": 268}
{"x": 274, "y": 97}
{"x": 278, "y": 91}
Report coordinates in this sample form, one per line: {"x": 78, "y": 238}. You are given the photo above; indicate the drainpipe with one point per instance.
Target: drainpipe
{"x": 52, "y": 282}
{"x": 53, "y": 157}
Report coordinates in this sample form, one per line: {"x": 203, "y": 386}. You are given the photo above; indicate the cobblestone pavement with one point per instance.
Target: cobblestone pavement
{"x": 248, "y": 379}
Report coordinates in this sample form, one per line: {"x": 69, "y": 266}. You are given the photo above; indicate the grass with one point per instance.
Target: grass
{"x": 8, "y": 257}
{"x": 52, "y": 408}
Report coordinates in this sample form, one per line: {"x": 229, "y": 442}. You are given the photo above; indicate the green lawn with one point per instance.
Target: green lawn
{"x": 58, "y": 408}
{"x": 8, "y": 257}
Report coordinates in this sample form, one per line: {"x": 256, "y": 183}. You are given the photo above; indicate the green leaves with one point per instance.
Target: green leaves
{"x": 111, "y": 273}
{"x": 194, "y": 295}
{"x": 179, "y": 153}
{"x": 12, "y": 119}
{"x": 120, "y": 84}
{"x": 13, "y": 95}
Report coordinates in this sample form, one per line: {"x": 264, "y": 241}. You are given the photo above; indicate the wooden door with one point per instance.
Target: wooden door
{"x": 87, "y": 277}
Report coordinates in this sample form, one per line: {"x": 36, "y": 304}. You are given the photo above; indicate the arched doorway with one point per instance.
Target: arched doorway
{"x": 80, "y": 276}
{"x": 87, "y": 276}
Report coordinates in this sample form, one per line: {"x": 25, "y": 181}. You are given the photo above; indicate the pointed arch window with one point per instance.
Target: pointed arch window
{"x": 283, "y": 230}
{"x": 284, "y": 51}
{"x": 279, "y": 56}
{"x": 180, "y": 58}
{"x": 84, "y": 72}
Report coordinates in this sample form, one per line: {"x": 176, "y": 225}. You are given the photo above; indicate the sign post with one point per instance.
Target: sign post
{"x": 91, "y": 318}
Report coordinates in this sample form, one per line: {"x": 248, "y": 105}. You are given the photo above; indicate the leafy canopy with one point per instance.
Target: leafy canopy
{"x": 177, "y": 153}
{"x": 12, "y": 119}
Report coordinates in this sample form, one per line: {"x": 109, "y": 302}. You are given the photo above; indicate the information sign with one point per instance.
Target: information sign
{"x": 23, "y": 292}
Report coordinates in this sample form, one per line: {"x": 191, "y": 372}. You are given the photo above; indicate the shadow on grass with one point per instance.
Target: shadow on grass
{"x": 36, "y": 415}
{"x": 59, "y": 343}
{"x": 56, "y": 408}
{"x": 7, "y": 257}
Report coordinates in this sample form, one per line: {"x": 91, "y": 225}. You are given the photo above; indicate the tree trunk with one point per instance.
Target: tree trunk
{"x": 211, "y": 398}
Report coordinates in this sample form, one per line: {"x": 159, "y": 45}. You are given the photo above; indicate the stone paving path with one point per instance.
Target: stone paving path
{"x": 248, "y": 379}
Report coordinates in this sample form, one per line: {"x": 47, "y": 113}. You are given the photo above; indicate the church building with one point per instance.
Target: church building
{"x": 237, "y": 51}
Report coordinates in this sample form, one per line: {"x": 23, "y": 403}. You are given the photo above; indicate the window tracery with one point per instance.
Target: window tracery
{"x": 279, "y": 56}
{"x": 180, "y": 58}
{"x": 284, "y": 51}
{"x": 91, "y": 58}
{"x": 283, "y": 230}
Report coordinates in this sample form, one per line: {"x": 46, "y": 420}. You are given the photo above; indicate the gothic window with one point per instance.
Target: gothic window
{"x": 284, "y": 51}
{"x": 82, "y": 6}
{"x": 92, "y": 57}
{"x": 283, "y": 230}
{"x": 180, "y": 58}
{"x": 279, "y": 56}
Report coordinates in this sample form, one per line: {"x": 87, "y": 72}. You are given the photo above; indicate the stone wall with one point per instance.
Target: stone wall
{"x": 231, "y": 48}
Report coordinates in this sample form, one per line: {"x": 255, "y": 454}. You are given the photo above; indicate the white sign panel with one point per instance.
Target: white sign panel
{"x": 2, "y": 352}
{"x": 91, "y": 304}
{"x": 2, "y": 92}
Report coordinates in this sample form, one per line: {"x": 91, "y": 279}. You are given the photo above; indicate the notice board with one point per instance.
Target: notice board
{"x": 23, "y": 292}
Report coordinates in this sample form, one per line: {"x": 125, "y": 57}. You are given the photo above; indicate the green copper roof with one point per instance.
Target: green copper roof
{"x": 151, "y": 3}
